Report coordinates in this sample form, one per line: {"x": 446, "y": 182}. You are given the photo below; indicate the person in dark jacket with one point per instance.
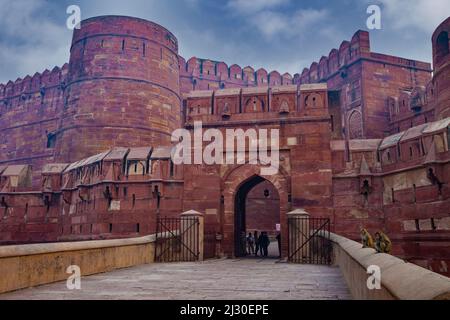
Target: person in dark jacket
{"x": 264, "y": 243}
{"x": 255, "y": 236}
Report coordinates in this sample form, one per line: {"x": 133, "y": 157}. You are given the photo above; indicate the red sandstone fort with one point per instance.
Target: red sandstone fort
{"x": 85, "y": 150}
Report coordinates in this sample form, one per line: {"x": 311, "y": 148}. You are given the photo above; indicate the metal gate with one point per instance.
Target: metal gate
{"x": 177, "y": 239}
{"x": 309, "y": 240}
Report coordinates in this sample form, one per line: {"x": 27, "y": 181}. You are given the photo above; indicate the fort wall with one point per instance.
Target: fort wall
{"x": 364, "y": 141}
{"x": 364, "y": 79}
{"x": 30, "y": 109}
{"x": 203, "y": 74}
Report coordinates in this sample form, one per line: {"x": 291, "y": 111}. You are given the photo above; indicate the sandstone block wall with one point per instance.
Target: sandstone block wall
{"x": 123, "y": 88}
{"x": 33, "y": 265}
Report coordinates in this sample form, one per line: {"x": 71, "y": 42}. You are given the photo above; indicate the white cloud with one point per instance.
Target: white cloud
{"x": 30, "y": 41}
{"x": 423, "y": 15}
{"x": 253, "y": 6}
{"x": 271, "y": 23}
{"x": 273, "y": 18}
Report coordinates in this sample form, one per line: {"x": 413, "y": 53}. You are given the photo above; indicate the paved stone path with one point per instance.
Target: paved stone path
{"x": 232, "y": 279}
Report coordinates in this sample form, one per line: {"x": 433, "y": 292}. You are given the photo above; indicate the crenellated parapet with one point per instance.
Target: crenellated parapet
{"x": 39, "y": 83}
{"x": 204, "y": 74}
{"x": 349, "y": 52}
{"x": 338, "y": 59}
{"x": 29, "y": 110}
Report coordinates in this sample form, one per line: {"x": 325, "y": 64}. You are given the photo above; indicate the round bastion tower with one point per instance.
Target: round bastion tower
{"x": 122, "y": 89}
{"x": 441, "y": 62}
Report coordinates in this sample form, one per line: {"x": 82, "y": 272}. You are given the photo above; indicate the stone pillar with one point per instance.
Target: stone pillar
{"x": 299, "y": 231}
{"x": 192, "y": 236}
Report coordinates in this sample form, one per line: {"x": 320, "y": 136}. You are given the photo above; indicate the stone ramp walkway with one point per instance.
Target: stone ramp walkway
{"x": 237, "y": 279}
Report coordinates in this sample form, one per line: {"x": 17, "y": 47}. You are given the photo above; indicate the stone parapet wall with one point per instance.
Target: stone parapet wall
{"x": 399, "y": 280}
{"x": 27, "y": 266}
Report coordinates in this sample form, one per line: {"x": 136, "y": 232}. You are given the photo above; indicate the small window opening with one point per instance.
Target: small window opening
{"x": 51, "y": 140}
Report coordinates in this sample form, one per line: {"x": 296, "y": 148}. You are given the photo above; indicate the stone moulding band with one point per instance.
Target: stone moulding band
{"x": 28, "y": 158}
{"x": 119, "y": 35}
{"x": 144, "y": 182}
{"x": 115, "y": 127}
{"x": 269, "y": 121}
{"x": 29, "y": 124}
{"x": 125, "y": 79}
{"x": 29, "y": 92}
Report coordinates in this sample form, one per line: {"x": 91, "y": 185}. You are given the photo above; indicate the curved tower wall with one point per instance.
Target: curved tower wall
{"x": 441, "y": 62}
{"x": 122, "y": 88}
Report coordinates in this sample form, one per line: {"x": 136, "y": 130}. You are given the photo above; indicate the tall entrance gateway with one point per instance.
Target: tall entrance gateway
{"x": 257, "y": 208}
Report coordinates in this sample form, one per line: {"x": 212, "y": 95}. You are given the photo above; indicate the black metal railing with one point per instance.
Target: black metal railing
{"x": 309, "y": 240}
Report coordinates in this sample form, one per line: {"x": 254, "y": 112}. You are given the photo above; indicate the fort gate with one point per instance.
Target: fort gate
{"x": 364, "y": 141}
{"x": 237, "y": 184}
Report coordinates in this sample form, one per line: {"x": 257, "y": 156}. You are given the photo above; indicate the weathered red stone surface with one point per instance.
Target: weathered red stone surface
{"x": 364, "y": 141}
{"x": 122, "y": 89}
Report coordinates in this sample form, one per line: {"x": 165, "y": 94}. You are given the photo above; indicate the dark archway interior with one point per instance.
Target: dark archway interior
{"x": 257, "y": 207}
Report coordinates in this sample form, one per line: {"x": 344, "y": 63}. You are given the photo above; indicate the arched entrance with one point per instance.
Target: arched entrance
{"x": 257, "y": 208}
{"x": 238, "y": 181}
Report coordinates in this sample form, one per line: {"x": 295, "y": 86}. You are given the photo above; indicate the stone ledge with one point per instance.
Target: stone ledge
{"x": 401, "y": 280}
{"x": 36, "y": 249}
{"x": 46, "y": 248}
{"x": 24, "y": 266}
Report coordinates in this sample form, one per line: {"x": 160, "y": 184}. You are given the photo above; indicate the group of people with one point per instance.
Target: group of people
{"x": 259, "y": 243}
{"x": 382, "y": 243}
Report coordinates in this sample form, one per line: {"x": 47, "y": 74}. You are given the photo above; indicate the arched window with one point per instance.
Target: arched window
{"x": 355, "y": 124}
{"x": 442, "y": 46}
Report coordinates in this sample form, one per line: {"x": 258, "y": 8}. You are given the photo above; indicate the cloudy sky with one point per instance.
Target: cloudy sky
{"x": 283, "y": 35}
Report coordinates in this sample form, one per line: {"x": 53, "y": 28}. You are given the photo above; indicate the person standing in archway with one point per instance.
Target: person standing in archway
{"x": 250, "y": 244}
{"x": 264, "y": 244}
{"x": 257, "y": 247}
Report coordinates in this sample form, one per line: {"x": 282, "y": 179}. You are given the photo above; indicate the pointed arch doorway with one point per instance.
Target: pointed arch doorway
{"x": 256, "y": 208}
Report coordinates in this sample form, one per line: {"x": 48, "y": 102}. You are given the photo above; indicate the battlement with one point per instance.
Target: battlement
{"x": 348, "y": 53}
{"x": 39, "y": 82}
{"x": 227, "y": 76}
